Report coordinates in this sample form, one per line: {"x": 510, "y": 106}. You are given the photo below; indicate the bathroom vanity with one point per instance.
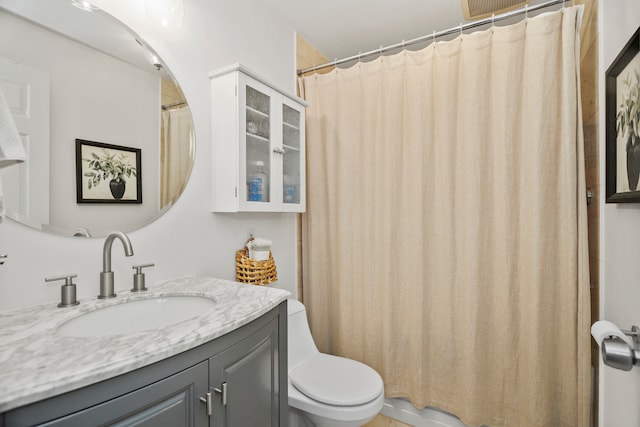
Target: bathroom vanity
{"x": 223, "y": 366}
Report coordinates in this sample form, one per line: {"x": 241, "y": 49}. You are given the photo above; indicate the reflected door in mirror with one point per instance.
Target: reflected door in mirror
{"x": 26, "y": 185}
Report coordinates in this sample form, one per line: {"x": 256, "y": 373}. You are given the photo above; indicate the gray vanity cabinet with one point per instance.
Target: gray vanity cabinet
{"x": 248, "y": 364}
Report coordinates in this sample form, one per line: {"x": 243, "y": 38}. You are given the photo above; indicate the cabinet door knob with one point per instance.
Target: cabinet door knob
{"x": 223, "y": 392}
{"x": 207, "y": 400}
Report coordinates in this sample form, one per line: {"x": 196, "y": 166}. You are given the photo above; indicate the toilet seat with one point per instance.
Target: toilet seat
{"x": 336, "y": 380}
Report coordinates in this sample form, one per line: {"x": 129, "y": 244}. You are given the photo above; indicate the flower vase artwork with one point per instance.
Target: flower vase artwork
{"x": 628, "y": 125}
{"x": 106, "y": 166}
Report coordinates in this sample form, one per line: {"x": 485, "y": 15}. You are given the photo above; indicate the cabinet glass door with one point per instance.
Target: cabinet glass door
{"x": 291, "y": 161}
{"x": 258, "y": 149}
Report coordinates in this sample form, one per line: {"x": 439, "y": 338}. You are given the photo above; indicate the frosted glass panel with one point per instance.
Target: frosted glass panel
{"x": 258, "y": 101}
{"x": 291, "y": 146}
{"x": 290, "y": 127}
{"x": 258, "y": 144}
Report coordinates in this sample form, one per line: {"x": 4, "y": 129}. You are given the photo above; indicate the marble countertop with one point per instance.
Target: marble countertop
{"x": 37, "y": 363}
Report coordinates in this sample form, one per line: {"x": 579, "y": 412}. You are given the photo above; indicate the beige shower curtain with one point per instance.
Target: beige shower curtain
{"x": 445, "y": 241}
{"x": 176, "y": 153}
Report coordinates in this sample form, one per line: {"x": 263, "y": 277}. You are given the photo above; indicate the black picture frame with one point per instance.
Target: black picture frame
{"x": 617, "y": 189}
{"x": 94, "y": 186}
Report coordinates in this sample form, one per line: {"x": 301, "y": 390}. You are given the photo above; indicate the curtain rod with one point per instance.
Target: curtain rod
{"x": 434, "y": 35}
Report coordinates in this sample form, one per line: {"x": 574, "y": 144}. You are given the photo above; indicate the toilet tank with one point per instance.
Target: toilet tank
{"x": 300, "y": 342}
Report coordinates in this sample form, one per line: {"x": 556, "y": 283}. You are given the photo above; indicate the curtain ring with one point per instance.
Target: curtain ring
{"x": 493, "y": 20}
{"x": 434, "y": 36}
{"x": 461, "y": 28}
{"x": 526, "y": 10}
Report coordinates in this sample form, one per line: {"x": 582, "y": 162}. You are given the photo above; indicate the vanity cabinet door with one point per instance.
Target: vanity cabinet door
{"x": 244, "y": 380}
{"x": 171, "y": 402}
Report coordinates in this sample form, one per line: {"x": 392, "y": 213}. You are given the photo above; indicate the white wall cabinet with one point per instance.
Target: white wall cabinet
{"x": 258, "y": 144}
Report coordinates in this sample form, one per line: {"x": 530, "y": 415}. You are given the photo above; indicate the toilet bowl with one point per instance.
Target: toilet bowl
{"x": 326, "y": 390}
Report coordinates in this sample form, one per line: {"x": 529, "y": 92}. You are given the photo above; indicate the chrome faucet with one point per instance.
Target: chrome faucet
{"x": 106, "y": 277}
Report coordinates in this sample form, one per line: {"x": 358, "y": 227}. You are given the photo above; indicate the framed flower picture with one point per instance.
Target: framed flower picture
{"x": 107, "y": 173}
{"x": 622, "y": 81}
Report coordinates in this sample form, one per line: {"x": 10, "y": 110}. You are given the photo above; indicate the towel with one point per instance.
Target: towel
{"x": 11, "y": 148}
{"x": 259, "y": 249}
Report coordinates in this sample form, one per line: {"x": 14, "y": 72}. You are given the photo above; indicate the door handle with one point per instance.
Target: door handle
{"x": 207, "y": 400}
{"x": 223, "y": 393}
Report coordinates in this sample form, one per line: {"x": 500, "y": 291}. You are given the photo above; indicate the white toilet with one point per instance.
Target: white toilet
{"x": 326, "y": 390}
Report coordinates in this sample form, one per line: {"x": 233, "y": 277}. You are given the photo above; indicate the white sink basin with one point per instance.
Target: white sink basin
{"x": 136, "y": 316}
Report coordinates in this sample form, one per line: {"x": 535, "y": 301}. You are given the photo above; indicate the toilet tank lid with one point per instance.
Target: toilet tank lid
{"x": 294, "y": 306}
{"x": 336, "y": 380}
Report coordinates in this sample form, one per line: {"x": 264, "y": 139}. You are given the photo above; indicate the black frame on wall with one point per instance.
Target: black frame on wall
{"x": 612, "y": 79}
{"x": 86, "y": 193}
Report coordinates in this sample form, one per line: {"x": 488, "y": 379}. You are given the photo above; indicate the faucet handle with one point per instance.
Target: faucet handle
{"x": 138, "y": 278}
{"x": 67, "y": 291}
{"x": 68, "y": 278}
{"x": 138, "y": 268}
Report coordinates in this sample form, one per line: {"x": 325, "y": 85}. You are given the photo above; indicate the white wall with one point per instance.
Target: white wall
{"x": 189, "y": 238}
{"x": 620, "y": 237}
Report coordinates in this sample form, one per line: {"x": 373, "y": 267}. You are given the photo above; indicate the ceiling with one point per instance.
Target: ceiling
{"x": 342, "y": 28}
{"x": 337, "y": 28}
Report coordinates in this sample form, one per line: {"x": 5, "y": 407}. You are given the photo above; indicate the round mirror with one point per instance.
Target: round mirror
{"x": 107, "y": 131}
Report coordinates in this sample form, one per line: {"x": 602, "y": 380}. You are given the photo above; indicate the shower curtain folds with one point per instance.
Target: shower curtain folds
{"x": 176, "y": 135}
{"x": 445, "y": 239}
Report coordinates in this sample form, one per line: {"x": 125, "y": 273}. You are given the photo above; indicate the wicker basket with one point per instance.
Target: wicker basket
{"x": 255, "y": 272}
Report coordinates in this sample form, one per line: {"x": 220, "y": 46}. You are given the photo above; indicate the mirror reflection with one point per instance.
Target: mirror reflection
{"x": 70, "y": 74}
